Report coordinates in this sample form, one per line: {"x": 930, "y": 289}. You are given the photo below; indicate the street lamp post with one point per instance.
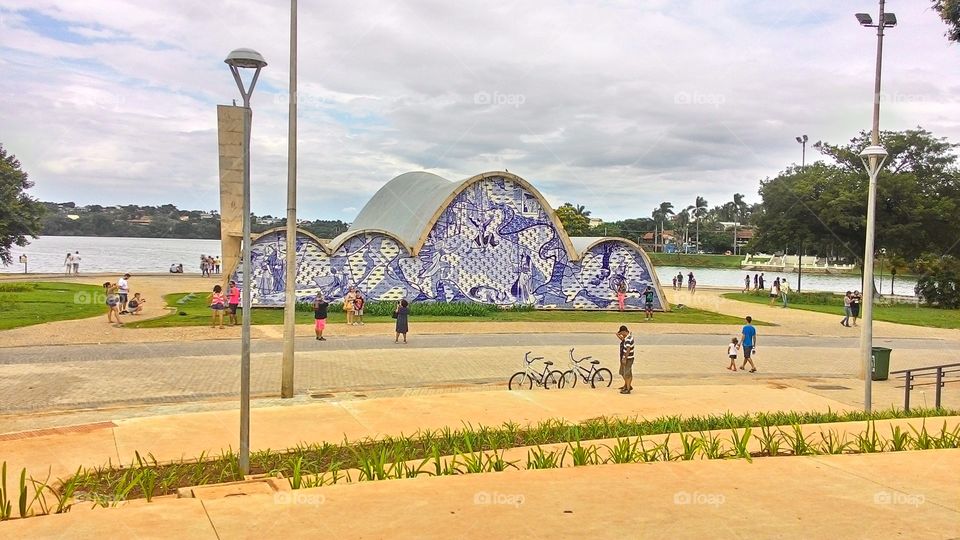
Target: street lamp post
{"x": 803, "y": 156}
{"x": 873, "y": 157}
{"x": 290, "y": 276}
{"x": 245, "y": 59}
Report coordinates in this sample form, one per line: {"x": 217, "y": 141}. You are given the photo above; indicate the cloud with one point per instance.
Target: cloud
{"x": 617, "y": 106}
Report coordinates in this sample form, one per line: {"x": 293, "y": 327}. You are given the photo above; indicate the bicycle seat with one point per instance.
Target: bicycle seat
{"x": 594, "y": 361}
{"x": 549, "y": 363}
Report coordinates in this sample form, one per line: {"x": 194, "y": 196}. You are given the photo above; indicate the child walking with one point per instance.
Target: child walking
{"x": 732, "y": 353}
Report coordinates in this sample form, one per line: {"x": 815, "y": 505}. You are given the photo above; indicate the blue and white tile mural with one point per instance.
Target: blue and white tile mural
{"x": 494, "y": 243}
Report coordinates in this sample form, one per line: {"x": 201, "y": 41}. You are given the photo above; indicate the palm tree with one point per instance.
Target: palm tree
{"x": 699, "y": 209}
{"x": 661, "y": 214}
{"x": 740, "y": 209}
{"x": 682, "y": 221}
{"x": 581, "y": 210}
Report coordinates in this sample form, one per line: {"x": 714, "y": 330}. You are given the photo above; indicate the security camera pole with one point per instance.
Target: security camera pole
{"x": 873, "y": 157}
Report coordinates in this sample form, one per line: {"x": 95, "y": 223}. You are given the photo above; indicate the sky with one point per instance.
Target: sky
{"x": 614, "y": 105}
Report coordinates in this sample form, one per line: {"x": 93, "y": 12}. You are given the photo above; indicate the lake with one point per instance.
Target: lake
{"x": 133, "y": 255}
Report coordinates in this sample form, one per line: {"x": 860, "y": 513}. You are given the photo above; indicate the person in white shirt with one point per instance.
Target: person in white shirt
{"x": 124, "y": 288}
{"x": 784, "y": 290}
{"x": 68, "y": 263}
{"x": 76, "y": 262}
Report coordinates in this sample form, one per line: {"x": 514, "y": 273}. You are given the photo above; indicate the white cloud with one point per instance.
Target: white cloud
{"x": 614, "y": 105}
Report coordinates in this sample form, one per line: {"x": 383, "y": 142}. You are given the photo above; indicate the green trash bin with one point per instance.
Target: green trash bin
{"x": 880, "y": 364}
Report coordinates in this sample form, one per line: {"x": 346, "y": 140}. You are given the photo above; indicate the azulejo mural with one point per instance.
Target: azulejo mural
{"x": 491, "y": 238}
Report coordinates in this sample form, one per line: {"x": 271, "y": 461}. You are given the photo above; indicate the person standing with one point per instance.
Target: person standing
{"x": 124, "y": 288}
{"x": 401, "y": 314}
{"x": 732, "y": 353}
{"x": 68, "y": 263}
{"x": 756, "y": 282}
{"x": 690, "y": 281}
{"x": 746, "y": 283}
{"x": 784, "y": 290}
{"x": 621, "y": 294}
{"x": 320, "y": 306}
{"x": 76, "y": 262}
{"x": 348, "y": 305}
{"x": 113, "y": 301}
{"x": 855, "y": 306}
{"x": 626, "y": 359}
{"x": 358, "y": 303}
{"x": 203, "y": 265}
{"x": 748, "y": 339}
{"x": 674, "y": 282}
{"x": 679, "y": 280}
{"x": 218, "y": 304}
{"x": 648, "y": 303}
{"x": 774, "y": 290}
{"x": 693, "y": 284}
{"x": 762, "y": 282}
{"x": 847, "y": 300}
{"x": 216, "y": 264}
{"x": 233, "y": 301}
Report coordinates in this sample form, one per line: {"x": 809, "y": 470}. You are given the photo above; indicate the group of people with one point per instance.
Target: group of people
{"x": 71, "y": 263}
{"x": 224, "y": 302}
{"x": 851, "y": 308}
{"x": 176, "y": 268}
{"x": 209, "y": 265}
{"x": 779, "y": 289}
{"x": 691, "y": 282}
{"x": 119, "y": 302}
{"x": 745, "y": 344}
{"x": 648, "y": 297}
{"x": 353, "y": 304}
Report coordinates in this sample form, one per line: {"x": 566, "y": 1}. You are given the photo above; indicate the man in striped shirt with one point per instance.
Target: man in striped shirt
{"x": 626, "y": 359}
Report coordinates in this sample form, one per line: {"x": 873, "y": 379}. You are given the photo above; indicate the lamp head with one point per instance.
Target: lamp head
{"x": 889, "y": 20}
{"x": 245, "y": 58}
{"x": 873, "y": 151}
{"x": 799, "y": 140}
{"x": 873, "y": 165}
{"x": 864, "y": 19}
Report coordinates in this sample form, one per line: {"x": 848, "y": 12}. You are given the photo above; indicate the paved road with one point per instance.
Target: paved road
{"x": 60, "y": 378}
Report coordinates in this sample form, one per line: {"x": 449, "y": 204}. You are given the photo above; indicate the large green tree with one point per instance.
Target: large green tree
{"x": 20, "y": 214}
{"x": 824, "y": 205}
{"x": 574, "y": 222}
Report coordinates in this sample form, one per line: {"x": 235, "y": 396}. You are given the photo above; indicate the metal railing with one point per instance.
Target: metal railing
{"x": 941, "y": 375}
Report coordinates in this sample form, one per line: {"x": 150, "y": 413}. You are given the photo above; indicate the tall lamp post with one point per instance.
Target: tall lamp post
{"x": 873, "y": 157}
{"x": 290, "y": 277}
{"x": 803, "y": 156}
{"x": 245, "y": 59}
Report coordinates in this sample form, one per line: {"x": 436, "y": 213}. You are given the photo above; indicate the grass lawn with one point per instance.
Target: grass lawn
{"x": 24, "y": 304}
{"x": 198, "y": 314}
{"x": 898, "y": 313}
{"x": 696, "y": 261}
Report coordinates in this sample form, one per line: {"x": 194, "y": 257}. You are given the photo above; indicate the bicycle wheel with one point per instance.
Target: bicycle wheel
{"x": 520, "y": 381}
{"x": 569, "y": 378}
{"x": 602, "y": 377}
{"x": 552, "y": 379}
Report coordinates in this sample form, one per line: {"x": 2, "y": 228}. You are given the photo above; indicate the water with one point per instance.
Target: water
{"x": 110, "y": 254}
{"x": 725, "y": 277}
{"x": 116, "y": 255}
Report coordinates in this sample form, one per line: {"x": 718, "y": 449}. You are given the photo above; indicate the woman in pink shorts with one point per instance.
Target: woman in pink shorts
{"x": 320, "y": 315}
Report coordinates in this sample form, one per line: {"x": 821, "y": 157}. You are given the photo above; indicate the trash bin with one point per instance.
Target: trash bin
{"x": 880, "y": 364}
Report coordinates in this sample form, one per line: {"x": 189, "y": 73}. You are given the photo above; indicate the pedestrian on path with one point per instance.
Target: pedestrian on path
{"x": 756, "y": 282}
{"x": 358, "y": 303}
{"x": 855, "y": 306}
{"x": 626, "y": 359}
{"x": 691, "y": 283}
{"x": 784, "y": 290}
{"x": 746, "y": 283}
{"x": 218, "y": 304}
{"x": 124, "y": 287}
{"x": 674, "y": 282}
{"x": 732, "y": 354}
{"x": 320, "y": 306}
{"x": 774, "y": 291}
{"x": 762, "y": 282}
{"x": 76, "y": 262}
{"x": 748, "y": 339}
{"x": 68, "y": 263}
{"x": 648, "y": 303}
{"x": 621, "y": 294}
{"x": 113, "y": 302}
{"x": 400, "y": 313}
{"x": 847, "y": 299}
{"x": 680, "y": 281}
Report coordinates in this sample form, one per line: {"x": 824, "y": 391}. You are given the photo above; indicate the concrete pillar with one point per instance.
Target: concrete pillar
{"x": 230, "y": 134}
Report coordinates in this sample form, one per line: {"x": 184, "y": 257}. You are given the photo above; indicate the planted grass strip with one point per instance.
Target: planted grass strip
{"x": 471, "y": 450}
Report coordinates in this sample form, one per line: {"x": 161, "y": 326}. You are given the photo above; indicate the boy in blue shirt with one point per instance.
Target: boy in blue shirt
{"x": 748, "y": 340}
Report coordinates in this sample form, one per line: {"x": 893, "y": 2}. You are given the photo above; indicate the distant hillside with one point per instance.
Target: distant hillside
{"x": 167, "y": 221}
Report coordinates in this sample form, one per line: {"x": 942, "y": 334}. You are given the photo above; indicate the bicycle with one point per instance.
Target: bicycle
{"x": 595, "y": 376}
{"x": 527, "y": 377}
